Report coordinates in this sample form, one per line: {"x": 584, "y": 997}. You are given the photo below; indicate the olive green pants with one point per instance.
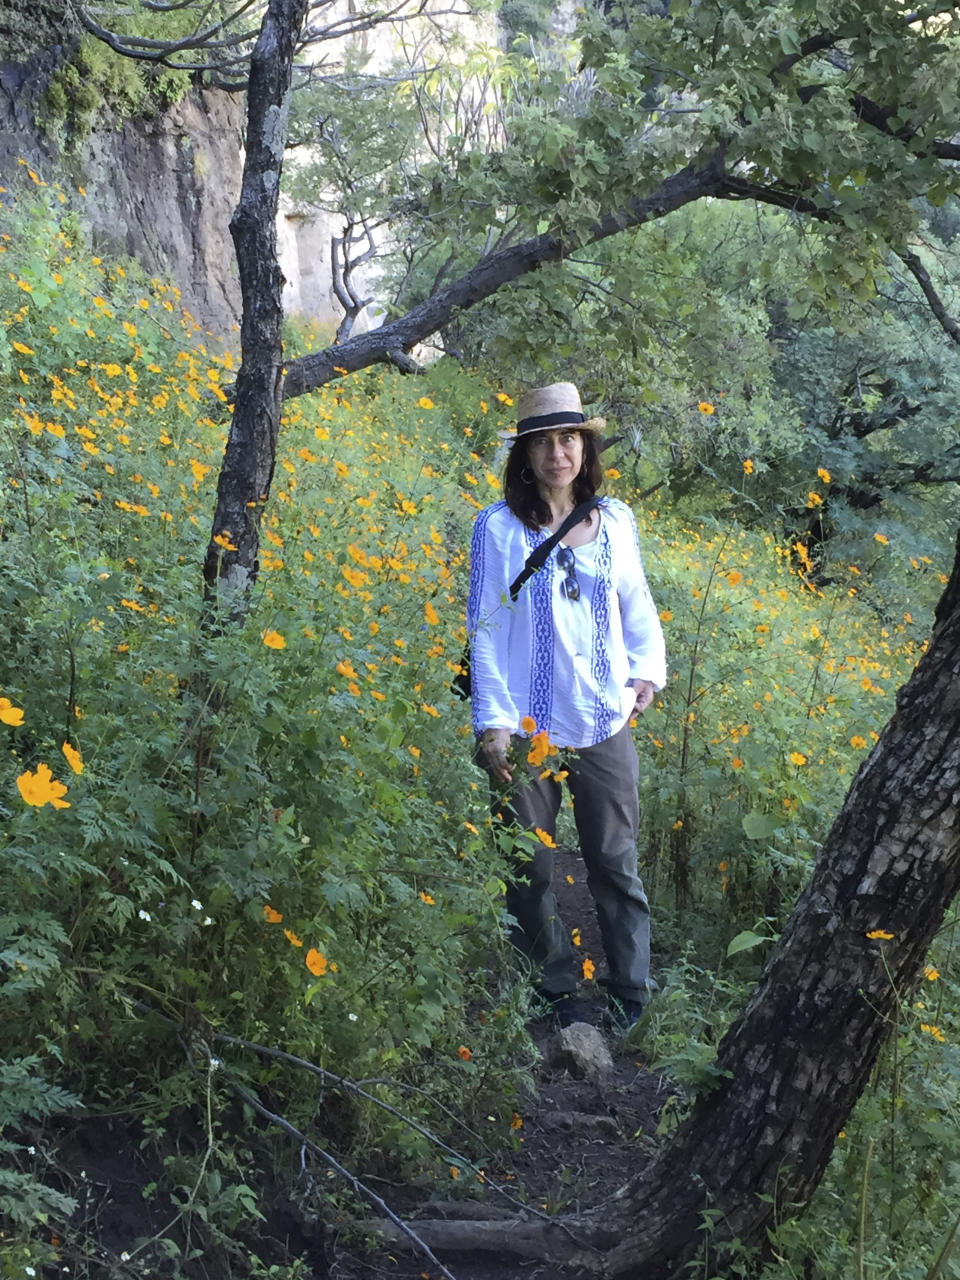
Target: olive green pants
{"x": 603, "y": 784}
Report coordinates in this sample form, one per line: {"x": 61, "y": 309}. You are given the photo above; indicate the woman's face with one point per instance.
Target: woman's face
{"x": 555, "y": 457}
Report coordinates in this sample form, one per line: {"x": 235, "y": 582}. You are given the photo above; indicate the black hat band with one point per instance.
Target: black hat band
{"x": 567, "y": 417}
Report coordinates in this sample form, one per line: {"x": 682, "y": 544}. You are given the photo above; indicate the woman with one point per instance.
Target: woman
{"x": 577, "y": 655}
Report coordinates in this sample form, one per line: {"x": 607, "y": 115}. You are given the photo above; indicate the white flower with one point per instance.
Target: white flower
{"x": 352, "y": 1017}
{"x": 197, "y": 904}
{"x": 144, "y": 915}
{"x": 29, "y": 1271}
{"x": 207, "y": 920}
{"x": 124, "y": 1257}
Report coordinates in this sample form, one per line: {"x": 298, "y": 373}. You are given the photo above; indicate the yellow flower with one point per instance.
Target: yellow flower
{"x": 589, "y": 968}
{"x": 540, "y": 748}
{"x": 545, "y": 837}
{"x": 528, "y": 724}
{"x": 316, "y": 962}
{"x": 933, "y": 1031}
{"x": 666, "y": 615}
{"x": 222, "y": 539}
{"x": 271, "y": 916}
{"x": 73, "y": 757}
{"x": 23, "y": 348}
{"x": 431, "y": 711}
{"x": 9, "y": 714}
{"x": 576, "y": 937}
{"x": 292, "y": 938}
{"x": 430, "y": 613}
{"x": 930, "y": 973}
{"x": 824, "y": 475}
{"x": 504, "y": 399}
{"x": 798, "y": 758}
{"x": 736, "y": 762}
{"x": 464, "y": 1053}
{"x": 858, "y": 742}
{"x": 199, "y": 469}
{"x": 880, "y": 934}
{"x": 428, "y": 898}
{"x": 516, "y": 1121}
{"x": 734, "y": 578}
{"x": 454, "y": 1172}
{"x": 425, "y": 402}
{"x": 748, "y": 467}
{"x": 42, "y": 788}
{"x": 814, "y": 499}
{"x": 273, "y": 640}
{"x": 706, "y": 407}
{"x": 882, "y": 539}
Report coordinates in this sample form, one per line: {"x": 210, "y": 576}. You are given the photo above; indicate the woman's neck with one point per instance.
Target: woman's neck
{"x": 560, "y": 501}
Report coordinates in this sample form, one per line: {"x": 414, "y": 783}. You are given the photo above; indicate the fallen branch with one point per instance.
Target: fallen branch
{"x": 405, "y": 1232}
{"x": 572, "y": 1242}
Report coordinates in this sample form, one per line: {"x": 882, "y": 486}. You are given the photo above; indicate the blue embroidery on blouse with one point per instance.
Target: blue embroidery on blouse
{"x": 541, "y": 640}
{"x": 600, "y": 664}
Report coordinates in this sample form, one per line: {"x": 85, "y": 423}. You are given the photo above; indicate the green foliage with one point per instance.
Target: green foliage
{"x": 311, "y": 766}
{"x": 531, "y": 18}
{"x": 95, "y": 83}
{"x": 277, "y": 838}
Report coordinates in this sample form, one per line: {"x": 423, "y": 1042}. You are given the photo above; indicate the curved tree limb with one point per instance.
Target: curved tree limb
{"x": 948, "y": 323}
{"x": 491, "y": 273}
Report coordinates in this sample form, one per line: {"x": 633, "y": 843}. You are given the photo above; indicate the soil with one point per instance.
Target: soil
{"x": 580, "y": 1141}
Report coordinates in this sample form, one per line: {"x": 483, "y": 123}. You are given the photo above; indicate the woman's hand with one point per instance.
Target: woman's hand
{"x": 494, "y": 745}
{"x": 644, "y": 690}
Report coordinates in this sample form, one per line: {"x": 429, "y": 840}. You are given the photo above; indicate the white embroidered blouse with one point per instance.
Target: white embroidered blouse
{"x": 564, "y": 663}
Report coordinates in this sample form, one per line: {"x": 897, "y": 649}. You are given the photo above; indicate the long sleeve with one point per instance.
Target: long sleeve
{"x": 642, "y": 633}
{"x": 488, "y": 627}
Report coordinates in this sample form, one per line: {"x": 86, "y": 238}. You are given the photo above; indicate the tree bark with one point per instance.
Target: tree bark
{"x": 247, "y": 472}
{"x": 794, "y": 1064}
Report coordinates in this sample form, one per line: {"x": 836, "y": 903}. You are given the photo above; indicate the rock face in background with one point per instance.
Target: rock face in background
{"x": 159, "y": 187}
{"x": 164, "y": 189}
{"x": 303, "y": 246}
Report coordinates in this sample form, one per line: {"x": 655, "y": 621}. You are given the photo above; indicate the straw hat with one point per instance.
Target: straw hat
{"x": 546, "y": 408}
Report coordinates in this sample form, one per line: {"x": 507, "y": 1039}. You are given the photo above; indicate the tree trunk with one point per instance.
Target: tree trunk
{"x": 754, "y": 1149}
{"x": 248, "y": 463}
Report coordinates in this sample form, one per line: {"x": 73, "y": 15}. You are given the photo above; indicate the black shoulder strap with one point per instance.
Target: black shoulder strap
{"x": 538, "y": 557}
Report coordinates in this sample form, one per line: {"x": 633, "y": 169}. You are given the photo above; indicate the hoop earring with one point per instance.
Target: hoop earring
{"x": 526, "y": 476}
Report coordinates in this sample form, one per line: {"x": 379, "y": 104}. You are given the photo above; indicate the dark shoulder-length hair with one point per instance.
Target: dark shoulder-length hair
{"x": 520, "y": 486}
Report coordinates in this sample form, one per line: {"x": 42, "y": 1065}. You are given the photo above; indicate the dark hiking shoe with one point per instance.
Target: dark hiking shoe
{"x": 563, "y": 1008}
{"x": 624, "y": 1013}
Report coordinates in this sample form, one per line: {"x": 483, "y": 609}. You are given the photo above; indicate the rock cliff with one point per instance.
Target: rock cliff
{"x": 160, "y": 186}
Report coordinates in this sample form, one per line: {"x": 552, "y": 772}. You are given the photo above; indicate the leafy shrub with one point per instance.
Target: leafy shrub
{"x": 233, "y": 860}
